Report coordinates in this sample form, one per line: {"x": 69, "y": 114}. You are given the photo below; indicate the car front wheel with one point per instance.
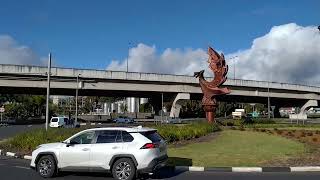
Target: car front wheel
{"x": 46, "y": 166}
{"x": 124, "y": 169}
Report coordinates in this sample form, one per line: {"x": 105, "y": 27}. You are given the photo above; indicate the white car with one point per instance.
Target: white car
{"x": 125, "y": 152}
{"x": 58, "y": 121}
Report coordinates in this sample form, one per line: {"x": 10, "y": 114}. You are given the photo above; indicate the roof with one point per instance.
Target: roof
{"x": 128, "y": 129}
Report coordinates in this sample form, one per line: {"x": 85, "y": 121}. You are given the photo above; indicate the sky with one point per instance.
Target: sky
{"x": 275, "y": 40}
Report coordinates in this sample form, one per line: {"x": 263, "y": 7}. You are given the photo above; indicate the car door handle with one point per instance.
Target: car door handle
{"x": 85, "y": 149}
{"x": 115, "y": 147}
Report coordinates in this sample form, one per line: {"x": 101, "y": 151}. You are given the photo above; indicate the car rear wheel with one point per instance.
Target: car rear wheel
{"x": 124, "y": 169}
{"x": 46, "y": 166}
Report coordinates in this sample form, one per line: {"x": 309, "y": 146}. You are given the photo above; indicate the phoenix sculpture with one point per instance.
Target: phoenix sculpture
{"x": 211, "y": 89}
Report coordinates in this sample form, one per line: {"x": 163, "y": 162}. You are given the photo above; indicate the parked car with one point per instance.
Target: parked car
{"x": 125, "y": 152}
{"x": 58, "y": 121}
{"x": 123, "y": 119}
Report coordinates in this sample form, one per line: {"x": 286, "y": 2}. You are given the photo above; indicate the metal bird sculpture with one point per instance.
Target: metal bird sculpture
{"x": 210, "y": 89}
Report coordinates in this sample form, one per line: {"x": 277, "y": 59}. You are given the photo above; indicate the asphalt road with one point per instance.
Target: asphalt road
{"x": 11, "y": 169}
{"x": 9, "y": 131}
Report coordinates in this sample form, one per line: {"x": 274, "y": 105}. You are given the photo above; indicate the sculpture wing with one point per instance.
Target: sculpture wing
{"x": 218, "y": 65}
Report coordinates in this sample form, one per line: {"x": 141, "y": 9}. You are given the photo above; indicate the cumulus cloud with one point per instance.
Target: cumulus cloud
{"x": 144, "y": 58}
{"x": 288, "y": 53}
{"x": 11, "y": 52}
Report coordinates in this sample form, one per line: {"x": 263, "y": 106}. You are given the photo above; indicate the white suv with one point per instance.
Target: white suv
{"x": 125, "y": 152}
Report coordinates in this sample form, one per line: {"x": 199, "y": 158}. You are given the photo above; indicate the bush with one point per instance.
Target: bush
{"x": 174, "y": 133}
{"x": 28, "y": 141}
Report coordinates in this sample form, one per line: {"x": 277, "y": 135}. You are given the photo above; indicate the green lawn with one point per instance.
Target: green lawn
{"x": 236, "y": 148}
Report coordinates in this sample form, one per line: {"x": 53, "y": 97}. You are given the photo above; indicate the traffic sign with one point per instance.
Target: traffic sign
{"x": 2, "y": 110}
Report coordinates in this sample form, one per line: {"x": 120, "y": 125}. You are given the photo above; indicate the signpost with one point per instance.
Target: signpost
{"x": 2, "y": 111}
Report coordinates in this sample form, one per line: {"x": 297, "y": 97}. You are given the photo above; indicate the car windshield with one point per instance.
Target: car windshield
{"x": 54, "y": 120}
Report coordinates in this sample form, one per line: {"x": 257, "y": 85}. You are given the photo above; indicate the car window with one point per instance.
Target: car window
{"x": 126, "y": 137}
{"x": 54, "y": 120}
{"x": 152, "y": 135}
{"x": 84, "y": 138}
{"x": 108, "y": 136}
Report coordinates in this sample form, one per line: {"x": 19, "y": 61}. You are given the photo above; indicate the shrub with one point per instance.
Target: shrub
{"x": 309, "y": 134}
{"x": 317, "y": 132}
{"x": 28, "y": 141}
{"x": 176, "y": 133}
{"x": 263, "y": 130}
{"x": 314, "y": 139}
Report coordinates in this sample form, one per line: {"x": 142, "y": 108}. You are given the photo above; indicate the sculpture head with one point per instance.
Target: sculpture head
{"x": 198, "y": 74}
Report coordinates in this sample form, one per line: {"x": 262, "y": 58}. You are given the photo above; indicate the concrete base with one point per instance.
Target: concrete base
{"x": 303, "y": 113}
{"x": 175, "y": 109}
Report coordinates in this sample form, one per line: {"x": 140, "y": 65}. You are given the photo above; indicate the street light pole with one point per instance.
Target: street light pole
{"x": 234, "y": 66}
{"x": 128, "y": 57}
{"x": 77, "y": 89}
{"x": 48, "y": 91}
{"x": 268, "y": 101}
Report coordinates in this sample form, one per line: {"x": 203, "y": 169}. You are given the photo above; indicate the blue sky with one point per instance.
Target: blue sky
{"x": 89, "y": 34}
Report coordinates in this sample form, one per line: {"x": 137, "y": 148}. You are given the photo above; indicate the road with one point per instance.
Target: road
{"x": 9, "y": 131}
{"x": 11, "y": 169}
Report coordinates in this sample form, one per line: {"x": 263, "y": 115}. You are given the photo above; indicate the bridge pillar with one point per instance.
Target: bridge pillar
{"x": 176, "y": 107}
{"x": 303, "y": 112}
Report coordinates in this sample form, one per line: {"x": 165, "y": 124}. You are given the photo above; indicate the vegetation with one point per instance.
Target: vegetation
{"x": 237, "y": 148}
{"x": 174, "y": 133}
{"x": 23, "y": 106}
{"x": 28, "y": 141}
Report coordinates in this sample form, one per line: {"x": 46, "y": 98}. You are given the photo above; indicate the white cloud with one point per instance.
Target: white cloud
{"x": 13, "y": 53}
{"x": 144, "y": 58}
{"x": 288, "y": 53}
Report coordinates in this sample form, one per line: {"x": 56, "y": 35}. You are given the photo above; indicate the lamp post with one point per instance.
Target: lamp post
{"x": 77, "y": 89}
{"x": 234, "y": 66}
{"x": 48, "y": 91}
{"x": 128, "y": 56}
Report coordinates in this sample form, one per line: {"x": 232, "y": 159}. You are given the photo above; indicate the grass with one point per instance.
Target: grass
{"x": 286, "y": 126}
{"x": 237, "y": 148}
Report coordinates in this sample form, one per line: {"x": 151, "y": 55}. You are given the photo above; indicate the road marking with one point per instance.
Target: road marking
{"x": 27, "y": 157}
{"x": 193, "y": 168}
{"x": 246, "y": 169}
{"x": 21, "y": 167}
{"x": 10, "y": 154}
{"x": 304, "y": 169}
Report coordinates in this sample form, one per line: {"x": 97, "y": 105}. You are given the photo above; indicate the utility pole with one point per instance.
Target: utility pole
{"x": 77, "y": 89}
{"x": 128, "y": 57}
{"x": 48, "y": 91}
{"x": 268, "y": 101}
{"x": 161, "y": 107}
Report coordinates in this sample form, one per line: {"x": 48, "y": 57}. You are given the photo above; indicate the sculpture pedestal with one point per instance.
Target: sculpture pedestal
{"x": 210, "y": 112}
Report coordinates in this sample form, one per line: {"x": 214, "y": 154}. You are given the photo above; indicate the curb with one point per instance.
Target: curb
{"x": 209, "y": 169}
{"x": 248, "y": 169}
{"x": 15, "y": 155}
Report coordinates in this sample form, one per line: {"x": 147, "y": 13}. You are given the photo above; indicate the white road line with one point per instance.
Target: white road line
{"x": 194, "y": 168}
{"x": 305, "y": 169}
{"x": 246, "y": 169}
{"x": 21, "y": 167}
